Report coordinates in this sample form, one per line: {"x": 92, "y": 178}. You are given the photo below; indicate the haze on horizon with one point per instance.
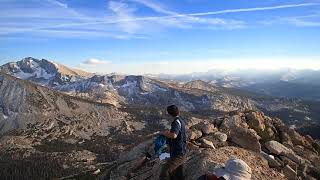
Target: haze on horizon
{"x": 170, "y": 37}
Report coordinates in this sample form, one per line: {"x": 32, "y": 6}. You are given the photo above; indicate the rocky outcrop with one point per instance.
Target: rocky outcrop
{"x": 256, "y": 121}
{"x": 194, "y": 134}
{"x": 247, "y": 130}
{"x": 211, "y": 150}
{"x": 205, "y": 128}
{"x": 246, "y": 138}
{"x": 206, "y": 144}
{"x": 289, "y": 172}
{"x": 277, "y": 148}
{"x": 222, "y": 137}
{"x": 198, "y": 84}
{"x": 231, "y": 123}
{"x": 199, "y": 163}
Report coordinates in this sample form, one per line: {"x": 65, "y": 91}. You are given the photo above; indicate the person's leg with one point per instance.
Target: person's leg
{"x": 203, "y": 177}
{"x": 167, "y": 169}
{"x": 170, "y": 166}
{"x": 179, "y": 173}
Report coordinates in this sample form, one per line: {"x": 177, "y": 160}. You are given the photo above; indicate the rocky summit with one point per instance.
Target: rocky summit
{"x": 276, "y": 152}
{"x": 103, "y": 127}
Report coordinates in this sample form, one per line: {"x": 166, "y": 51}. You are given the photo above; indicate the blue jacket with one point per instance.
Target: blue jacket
{"x": 159, "y": 144}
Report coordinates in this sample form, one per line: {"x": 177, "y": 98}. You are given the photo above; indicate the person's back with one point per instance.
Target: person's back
{"x": 178, "y": 145}
{"x": 173, "y": 169}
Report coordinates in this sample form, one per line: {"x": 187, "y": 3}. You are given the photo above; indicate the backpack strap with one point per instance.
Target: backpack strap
{"x": 178, "y": 121}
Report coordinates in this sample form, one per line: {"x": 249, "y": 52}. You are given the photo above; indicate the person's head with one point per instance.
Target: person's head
{"x": 235, "y": 169}
{"x": 173, "y": 110}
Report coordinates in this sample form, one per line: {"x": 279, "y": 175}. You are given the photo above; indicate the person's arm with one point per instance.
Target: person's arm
{"x": 174, "y": 131}
{"x": 169, "y": 134}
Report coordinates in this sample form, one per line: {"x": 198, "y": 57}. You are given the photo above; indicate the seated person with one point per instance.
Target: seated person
{"x": 235, "y": 169}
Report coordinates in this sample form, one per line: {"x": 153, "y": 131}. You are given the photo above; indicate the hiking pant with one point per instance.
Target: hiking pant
{"x": 173, "y": 168}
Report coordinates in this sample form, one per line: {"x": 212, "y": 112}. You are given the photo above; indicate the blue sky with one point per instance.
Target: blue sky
{"x": 167, "y": 36}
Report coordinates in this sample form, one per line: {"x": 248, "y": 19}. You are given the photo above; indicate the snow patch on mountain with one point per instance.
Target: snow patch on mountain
{"x": 159, "y": 88}
{"x": 307, "y": 118}
{"x": 38, "y": 73}
{"x": 129, "y": 84}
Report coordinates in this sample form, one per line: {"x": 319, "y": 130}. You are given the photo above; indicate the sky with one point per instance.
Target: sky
{"x": 167, "y": 36}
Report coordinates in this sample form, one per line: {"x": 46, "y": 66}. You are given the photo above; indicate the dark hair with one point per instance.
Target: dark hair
{"x": 173, "y": 110}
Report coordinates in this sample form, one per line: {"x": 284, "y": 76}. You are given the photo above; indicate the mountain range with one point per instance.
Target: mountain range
{"x": 218, "y": 92}
{"x": 285, "y": 82}
{"x": 57, "y": 122}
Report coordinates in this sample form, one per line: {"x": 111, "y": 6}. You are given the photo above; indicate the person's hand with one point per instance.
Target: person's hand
{"x": 157, "y": 133}
{"x": 209, "y": 173}
{"x": 153, "y": 135}
{"x": 163, "y": 132}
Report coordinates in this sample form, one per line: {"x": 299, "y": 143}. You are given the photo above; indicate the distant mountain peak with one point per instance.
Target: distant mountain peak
{"x": 43, "y": 71}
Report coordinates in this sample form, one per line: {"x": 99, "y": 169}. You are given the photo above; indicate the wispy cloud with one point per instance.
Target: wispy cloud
{"x": 95, "y": 62}
{"x": 159, "y": 8}
{"x": 155, "y": 6}
{"x": 304, "y": 23}
{"x": 154, "y": 18}
{"x": 311, "y": 20}
{"x": 125, "y": 18}
{"x": 185, "y": 20}
{"x": 254, "y": 9}
{"x": 124, "y": 21}
{"x": 51, "y": 18}
{"x": 228, "y": 24}
{"x": 123, "y": 11}
{"x": 63, "y": 5}
{"x": 70, "y": 10}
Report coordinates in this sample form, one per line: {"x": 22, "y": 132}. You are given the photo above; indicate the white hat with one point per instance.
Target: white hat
{"x": 235, "y": 169}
